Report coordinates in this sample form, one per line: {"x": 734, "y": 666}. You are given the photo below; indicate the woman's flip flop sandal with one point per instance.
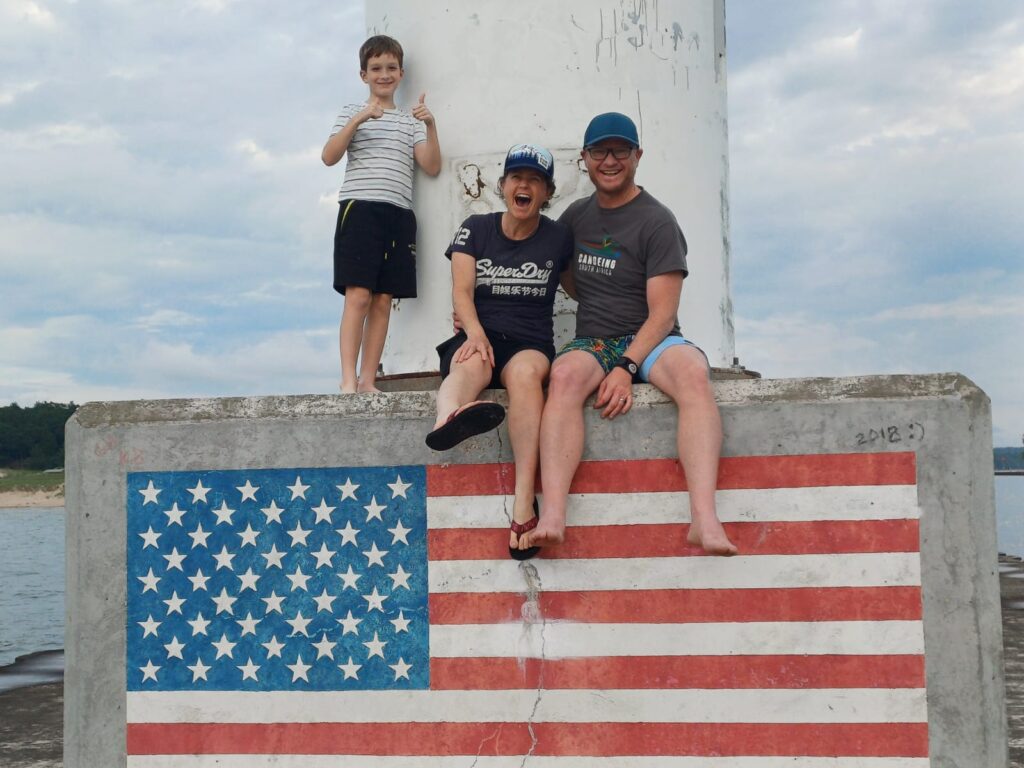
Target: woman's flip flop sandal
{"x": 474, "y": 419}
{"x": 519, "y": 529}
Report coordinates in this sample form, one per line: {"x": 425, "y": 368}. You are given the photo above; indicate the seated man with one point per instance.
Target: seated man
{"x": 627, "y": 272}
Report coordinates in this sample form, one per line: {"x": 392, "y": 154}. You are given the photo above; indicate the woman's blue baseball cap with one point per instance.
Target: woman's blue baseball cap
{"x": 610, "y": 125}
{"x": 530, "y": 156}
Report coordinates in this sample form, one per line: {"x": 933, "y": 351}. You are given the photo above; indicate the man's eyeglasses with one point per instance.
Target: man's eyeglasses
{"x": 600, "y": 153}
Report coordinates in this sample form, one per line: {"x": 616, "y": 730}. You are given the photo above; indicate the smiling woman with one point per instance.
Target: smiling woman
{"x": 506, "y": 268}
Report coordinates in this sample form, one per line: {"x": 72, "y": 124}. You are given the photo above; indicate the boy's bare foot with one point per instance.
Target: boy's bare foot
{"x": 711, "y": 537}
{"x": 347, "y": 389}
{"x": 366, "y": 388}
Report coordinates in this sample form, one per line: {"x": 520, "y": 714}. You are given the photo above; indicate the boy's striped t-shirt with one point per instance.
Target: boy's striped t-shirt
{"x": 380, "y": 159}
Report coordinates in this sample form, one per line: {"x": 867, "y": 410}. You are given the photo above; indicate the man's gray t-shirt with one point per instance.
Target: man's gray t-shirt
{"x": 616, "y": 251}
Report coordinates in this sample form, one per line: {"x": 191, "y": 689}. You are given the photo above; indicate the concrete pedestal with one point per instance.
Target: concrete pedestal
{"x": 867, "y": 577}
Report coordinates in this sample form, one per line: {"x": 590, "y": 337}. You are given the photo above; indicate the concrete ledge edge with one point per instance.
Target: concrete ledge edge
{"x": 416, "y": 404}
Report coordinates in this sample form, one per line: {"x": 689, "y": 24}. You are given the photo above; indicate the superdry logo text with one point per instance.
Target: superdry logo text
{"x": 488, "y": 273}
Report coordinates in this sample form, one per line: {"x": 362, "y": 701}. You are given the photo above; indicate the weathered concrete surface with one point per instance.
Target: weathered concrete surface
{"x": 664, "y": 64}
{"x": 943, "y": 418}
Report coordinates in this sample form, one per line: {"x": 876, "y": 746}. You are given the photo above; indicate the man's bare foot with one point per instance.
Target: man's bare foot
{"x": 711, "y": 537}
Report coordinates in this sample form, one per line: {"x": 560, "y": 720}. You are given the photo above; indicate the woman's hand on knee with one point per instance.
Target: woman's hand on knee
{"x": 476, "y": 345}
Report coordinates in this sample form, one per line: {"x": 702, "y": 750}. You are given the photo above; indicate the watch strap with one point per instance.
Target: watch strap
{"x": 629, "y": 364}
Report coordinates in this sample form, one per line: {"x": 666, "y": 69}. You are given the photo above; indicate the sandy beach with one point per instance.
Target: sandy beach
{"x": 23, "y": 499}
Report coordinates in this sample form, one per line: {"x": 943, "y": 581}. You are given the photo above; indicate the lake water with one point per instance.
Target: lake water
{"x": 1010, "y": 514}
{"x": 31, "y": 581}
{"x": 32, "y": 570}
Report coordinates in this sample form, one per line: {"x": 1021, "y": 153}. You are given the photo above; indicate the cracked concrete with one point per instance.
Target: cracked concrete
{"x": 532, "y": 615}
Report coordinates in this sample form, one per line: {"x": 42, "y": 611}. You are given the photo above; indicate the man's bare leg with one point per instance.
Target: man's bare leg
{"x": 523, "y": 378}
{"x": 574, "y": 376}
{"x": 376, "y": 333}
{"x": 682, "y": 373}
{"x": 350, "y": 334}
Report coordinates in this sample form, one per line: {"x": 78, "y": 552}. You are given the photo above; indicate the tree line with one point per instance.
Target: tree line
{"x": 33, "y": 438}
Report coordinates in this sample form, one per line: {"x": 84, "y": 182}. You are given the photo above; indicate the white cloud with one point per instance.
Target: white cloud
{"x": 797, "y": 344}
{"x": 27, "y": 12}
{"x": 84, "y": 357}
{"x": 168, "y": 318}
{"x": 876, "y": 192}
{"x": 836, "y": 45}
{"x": 999, "y": 79}
{"x": 968, "y": 308}
{"x": 265, "y": 160}
{"x": 212, "y": 6}
{"x": 69, "y": 134}
{"x": 9, "y": 93}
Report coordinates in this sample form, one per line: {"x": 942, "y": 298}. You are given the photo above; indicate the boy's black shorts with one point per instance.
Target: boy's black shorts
{"x": 504, "y": 346}
{"x": 375, "y": 248}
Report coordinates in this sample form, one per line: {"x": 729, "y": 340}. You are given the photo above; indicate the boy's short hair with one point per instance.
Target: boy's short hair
{"x": 378, "y": 45}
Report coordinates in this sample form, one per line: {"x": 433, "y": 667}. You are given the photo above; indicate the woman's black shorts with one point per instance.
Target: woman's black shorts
{"x": 504, "y": 346}
{"x": 375, "y": 248}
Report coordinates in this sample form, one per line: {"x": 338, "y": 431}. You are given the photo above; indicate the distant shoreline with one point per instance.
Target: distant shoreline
{"x": 21, "y": 499}
{"x": 37, "y": 668}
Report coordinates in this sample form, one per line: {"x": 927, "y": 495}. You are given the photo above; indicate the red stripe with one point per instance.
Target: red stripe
{"x": 552, "y": 739}
{"x": 669, "y": 540}
{"x": 678, "y": 672}
{"x": 652, "y": 475}
{"x": 671, "y": 606}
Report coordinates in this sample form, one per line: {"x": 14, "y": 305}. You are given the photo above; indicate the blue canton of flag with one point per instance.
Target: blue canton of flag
{"x": 277, "y": 579}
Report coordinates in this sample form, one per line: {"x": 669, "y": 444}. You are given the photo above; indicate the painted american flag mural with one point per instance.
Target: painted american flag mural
{"x": 370, "y": 616}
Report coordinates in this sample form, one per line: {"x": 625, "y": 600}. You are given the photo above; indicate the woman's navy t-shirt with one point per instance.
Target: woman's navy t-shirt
{"x": 516, "y": 280}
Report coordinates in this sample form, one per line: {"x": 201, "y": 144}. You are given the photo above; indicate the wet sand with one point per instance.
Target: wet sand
{"x": 1011, "y": 587}
{"x": 31, "y": 726}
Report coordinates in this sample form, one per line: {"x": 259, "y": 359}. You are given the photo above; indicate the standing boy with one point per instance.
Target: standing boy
{"x": 375, "y": 238}
{"x": 628, "y": 273}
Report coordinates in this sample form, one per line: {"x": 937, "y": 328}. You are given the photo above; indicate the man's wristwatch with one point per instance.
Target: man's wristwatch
{"x": 629, "y": 365}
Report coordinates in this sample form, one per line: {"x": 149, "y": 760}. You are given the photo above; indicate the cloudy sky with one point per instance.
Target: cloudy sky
{"x": 165, "y": 221}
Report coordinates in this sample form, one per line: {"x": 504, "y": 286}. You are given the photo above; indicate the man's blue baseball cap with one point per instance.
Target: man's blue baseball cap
{"x": 610, "y": 125}
{"x": 531, "y": 156}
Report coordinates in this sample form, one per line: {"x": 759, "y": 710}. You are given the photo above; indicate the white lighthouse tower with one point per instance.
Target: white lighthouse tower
{"x": 499, "y": 73}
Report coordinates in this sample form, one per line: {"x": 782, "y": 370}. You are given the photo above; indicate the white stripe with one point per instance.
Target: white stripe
{"x": 566, "y": 640}
{"x": 884, "y": 569}
{"x": 821, "y": 705}
{"x": 472, "y": 761}
{"x": 880, "y": 502}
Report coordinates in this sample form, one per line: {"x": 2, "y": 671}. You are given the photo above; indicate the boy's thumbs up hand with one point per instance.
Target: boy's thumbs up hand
{"x": 373, "y": 109}
{"x": 422, "y": 112}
